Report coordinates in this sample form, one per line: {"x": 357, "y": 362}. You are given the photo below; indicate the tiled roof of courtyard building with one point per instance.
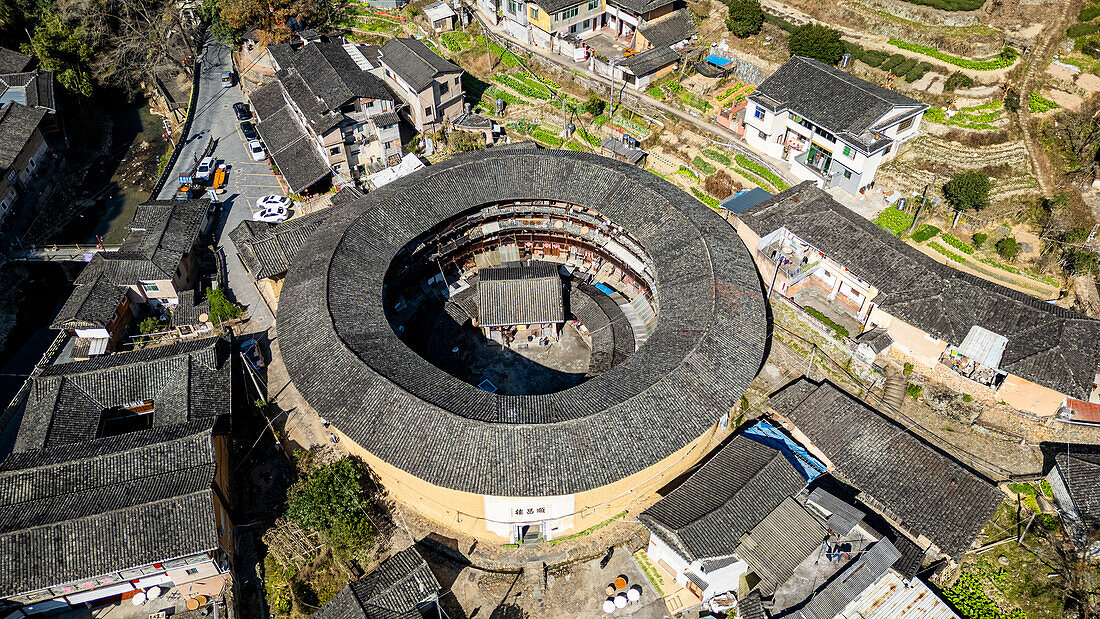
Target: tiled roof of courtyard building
{"x": 267, "y": 250}
{"x": 406, "y": 411}
{"x": 401, "y": 587}
{"x": 33, "y": 89}
{"x": 520, "y": 295}
{"x": 650, "y": 60}
{"x": 330, "y": 73}
{"x": 267, "y": 99}
{"x": 12, "y": 61}
{"x": 837, "y": 101}
{"x": 735, "y": 490}
{"x": 1079, "y": 466}
{"x": 292, "y": 150}
{"x": 780, "y": 542}
{"x": 849, "y": 583}
{"x": 670, "y": 29}
{"x": 74, "y": 504}
{"x": 161, "y": 233}
{"x": 1047, "y": 344}
{"x": 641, "y": 7}
{"x": 415, "y": 63}
{"x": 17, "y": 124}
{"x": 912, "y": 482}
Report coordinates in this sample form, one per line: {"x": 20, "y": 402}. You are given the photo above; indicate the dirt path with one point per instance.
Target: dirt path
{"x": 1036, "y": 66}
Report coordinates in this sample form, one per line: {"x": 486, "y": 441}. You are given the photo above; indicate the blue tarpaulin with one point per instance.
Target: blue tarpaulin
{"x": 604, "y": 288}
{"x": 718, "y": 61}
{"x": 767, "y": 434}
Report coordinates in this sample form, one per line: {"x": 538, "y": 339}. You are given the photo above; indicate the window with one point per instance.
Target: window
{"x": 132, "y": 417}
{"x": 191, "y": 571}
{"x": 570, "y": 13}
{"x": 825, "y": 134}
{"x": 905, "y": 124}
{"x": 335, "y": 150}
{"x": 444, "y": 88}
{"x": 534, "y": 12}
{"x": 847, "y": 174}
{"x": 428, "y": 111}
{"x": 759, "y": 113}
{"x": 147, "y": 287}
{"x": 512, "y": 7}
{"x": 592, "y": 4}
{"x": 763, "y": 136}
{"x": 847, "y": 151}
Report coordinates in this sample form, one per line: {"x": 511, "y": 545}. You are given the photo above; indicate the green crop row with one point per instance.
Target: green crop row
{"x": 704, "y": 198}
{"x": 894, "y": 221}
{"x": 925, "y": 233}
{"x": 703, "y": 166}
{"x": 958, "y": 244}
{"x": 947, "y": 252}
{"x": 1004, "y": 59}
{"x": 1038, "y": 104}
{"x": 524, "y": 88}
{"x": 760, "y": 170}
{"x": 717, "y": 156}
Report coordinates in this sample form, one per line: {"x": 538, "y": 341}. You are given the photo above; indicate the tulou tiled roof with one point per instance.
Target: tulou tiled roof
{"x": 12, "y": 61}
{"x": 735, "y": 490}
{"x": 401, "y": 587}
{"x": 1047, "y": 344}
{"x": 916, "y": 485}
{"x": 75, "y": 505}
{"x": 415, "y": 63}
{"x": 33, "y": 89}
{"x": 267, "y": 250}
{"x": 706, "y": 348}
{"x": 780, "y": 542}
{"x": 840, "y": 102}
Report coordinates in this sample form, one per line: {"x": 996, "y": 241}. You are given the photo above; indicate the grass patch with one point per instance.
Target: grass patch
{"x": 894, "y": 221}
{"x": 650, "y": 570}
{"x": 761, "y": 171}
{"x": 705, "y": 199}
{"x": 925, "y": 232}
{"x": 828, "y": 322}
{"x": 947, "y": 252}
{"x": 1004, "y": 59}
{"x": 595, "y": 527}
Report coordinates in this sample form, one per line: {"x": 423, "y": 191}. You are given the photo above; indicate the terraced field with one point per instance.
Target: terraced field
{"x": 904, "y": 172}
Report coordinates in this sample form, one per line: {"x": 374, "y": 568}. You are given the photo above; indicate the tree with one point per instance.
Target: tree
{"x": 1008, "y": 248}
{"x": 1077, "y": 136}
{"x": 278, "y": 19}
{"x": 595, "y": 106}
{"x": 817, "y": 42}
{"x": 746, "y": 17}
{"x": 221, "y": 308}
{"x": 149, "y": 325}
{"x": 464, "y": 141}
{"x": 332, "y": 500}
{"x": 968, "y": 190}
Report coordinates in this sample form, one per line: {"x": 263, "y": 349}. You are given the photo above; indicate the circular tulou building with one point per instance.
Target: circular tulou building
{"x": 524, "y": 343}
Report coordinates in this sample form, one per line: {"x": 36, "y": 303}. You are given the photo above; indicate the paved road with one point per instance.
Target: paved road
{"x": 248, "y": 180}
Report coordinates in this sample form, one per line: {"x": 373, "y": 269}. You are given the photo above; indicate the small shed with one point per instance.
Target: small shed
{"x": 517, "y": 302}
{"x": 441, "y": 16}
{"x": 744, "y": 200}
{"x": 618, "y": 149}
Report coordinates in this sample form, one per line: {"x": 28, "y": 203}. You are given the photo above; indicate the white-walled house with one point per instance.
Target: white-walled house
{"x": 834, "y": 128}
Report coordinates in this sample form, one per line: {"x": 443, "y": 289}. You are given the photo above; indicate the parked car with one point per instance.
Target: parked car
{"x": 270, "y": 201}
{"x": 242, "y": 111}
{"x": 256, "y": 150}
{"x": 248, "y": 130}
{"x": 227, "y": 79}
{"x": 271, "y": 214}
{"x": 252, "y": 354}
{"x": 205, "y": 169}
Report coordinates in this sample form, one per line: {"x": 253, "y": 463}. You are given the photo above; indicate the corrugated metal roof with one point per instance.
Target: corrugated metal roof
{"x": 890, "y": 598}
{"x": 853, "y": 581}
{"x": 842, "y": 516}
{"x": 984, "y": 346}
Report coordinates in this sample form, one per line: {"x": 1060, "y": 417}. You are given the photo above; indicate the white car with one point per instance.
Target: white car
{"x": 205, "y": 169}
{"x": 273, "y": 201}
{"x": 271, "y": 214}
{"x": 256, "y": 150}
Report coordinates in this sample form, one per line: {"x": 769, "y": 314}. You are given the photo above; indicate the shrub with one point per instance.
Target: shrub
{"x": 1050, "y": 522}
{"x": 703, "y": 166}
{"x": 917, "y": 72}
{"x": 331, "y": 500}
{"x": 968, "y": 398}
{"x": 968, "y": 190}
{"x": 902, "y": 68}
{"x": 979, "y": 238}
{"x": 221, "y": 308}
{"x": 595, "y": 106}
{"x": 1008, "y": 248}
{"x": 925, "y": 232}
{"x": 1081, "y": 30}
{"x": 817, "y": 42}
{"x": 913, "y": 391}
{"x": 828, "y": 322}
{"x": 907, "y": 369}
{"x": 149, "y": 325}
{"x": 958, "y": 79}
{"x": 873, "y": 57}
{"x": 892, "y": 62}
{"x": 1089, "y": 13}
{"x": 745, "y": 18}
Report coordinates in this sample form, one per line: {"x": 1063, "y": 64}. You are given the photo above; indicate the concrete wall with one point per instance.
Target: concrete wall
{"x": 1028, "y": 396}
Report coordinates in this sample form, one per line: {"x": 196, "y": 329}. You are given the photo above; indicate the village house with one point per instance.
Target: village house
{"x": 401, "y": 586}
{"x": 155, "y": 263}
{"x": 118, "y": 481}
{"x": 968, "y": 333}
{"x": 1075, "y": 480}
{"x": 441, "y": 17}
{"x": 937, "y": 502}
{"x": 834, "y": 128}
{"x": 430, "y": 86}
{"x": 326, "y": 118}
{"x": 22, "y": 150}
